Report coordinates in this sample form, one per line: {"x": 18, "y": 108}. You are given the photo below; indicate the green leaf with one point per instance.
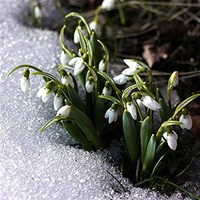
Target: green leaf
{"x": 150, "y": 154}
{"x": 184, "y": 103}
{"x": 54, "y": 120}
{"x": 110, "y": 98}
{"x": 131, "y": 136}
{"x": 86, "y": 126}
{"x": 77, "y": 134}
{"x": 146, "y": 130}
{"x": 23, "y": 66}
{"x": 165, "y": 111}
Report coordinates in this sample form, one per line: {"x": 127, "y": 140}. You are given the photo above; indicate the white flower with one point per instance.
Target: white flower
{"x": 112, "y": 115}
{"x": 132, "y": 109}
{"x": 63, "y": 111}
{"x": 44, "y": 93}
{"x": 133, "y": 67}
{"x": 150, "y": 103}
{"x": 37, "y": 12}
{"x": 25, "y": 84}
{"x": 95, "y": 26}
{"x": 64, "y": 58}
{"x": 58, "y": 101}
{"x": 120, "y": 79}
{"x": 76, "y": 36}
{"x": 102, "y": 65}
{"x": 108, "y": 4}
{"x": 67, "y": 79}
{"x": 78, "y": 63}
{"x": 187, "y": 122}
{"x": 89, "y": 86}
{"x": 107, "y": 91}
{"x": 171, "y": 139}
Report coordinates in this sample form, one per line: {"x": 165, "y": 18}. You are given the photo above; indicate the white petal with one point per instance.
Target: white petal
{"x": 46, "y": 95}
{"x": 132, "y": 109}
{"x": 25, "y": 84}
{"x": 76, "y": 36}
{"x": 108, "y": 4}
{"x": 73, "y": 60}
{"x": 63, "y": 111}
{"x": 129, "y": 71}
{"x": 151, "y": 103}
{"x": 187, "y": 122}
{"x": 132, "y": 64}
{"x": 171, "y": 139}
{"x": 95, "y": 26}
{"x": 40, "y": 92}
{"x": 58, "y": 102}
{"x": 64, "y": 58}
{"x": 102, "y": 66}
{"x": 89, "y": 86}
{"x": 79, "y": 66}
{"x": 112, "y": 115}
{"x": 67, "y": 79}
{"x": 107, "y": 91}
{"x": 37, "y": 12}
{"x": 120, "y": 79}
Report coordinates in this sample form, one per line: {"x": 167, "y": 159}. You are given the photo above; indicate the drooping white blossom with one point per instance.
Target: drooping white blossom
{"x": 108, "y": 4}
{"x": 133, "y": 67}
{"x": 95, "y": 26}
{"x": 120, "y": 79}
{"x": 150, "y": 103}
{"x": 89, "y": 86}
{"x": 67, "y": 79}
{"x": 63, "y": 111}
{"x": 187, "y": 122}
{"x": 37, "y": 12}
{"x": 102, "y": 65}
{"x": 58, "y": 102}
{"x": 107, "y": 91}
{"x": 171, "y": 139}
{"x": 25, "y": 84}
{"x": 78, "y": 64}
{"x": 64, "y": 58}
{"x": 132, "y": 109}
{"x": 44, "y": 93}
{"x": 112, "y": 115}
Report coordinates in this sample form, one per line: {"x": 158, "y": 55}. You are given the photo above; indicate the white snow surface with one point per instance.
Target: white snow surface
{"x": 36, "y": 165}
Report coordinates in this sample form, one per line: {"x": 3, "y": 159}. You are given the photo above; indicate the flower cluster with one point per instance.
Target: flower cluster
{"x": 126, "y": 99}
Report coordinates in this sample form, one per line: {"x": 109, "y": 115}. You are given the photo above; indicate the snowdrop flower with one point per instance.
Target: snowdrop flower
{"x": 186, "y": 119}
{"x": 67, "y": 79}
{"x": 78, "y": 63}
{"x": 173, "y": 80}
{"x": 76, "y": 34}
{"x": 107, "y": 91}
{"x": 58, "y": 101}
{"x": 25, "y": 81}
{"x": 120, "y": 79}
{"x": 63, "y": 111}
{"x": 150, "y": 103}
{"x": 64, "y": 58}
{"x": 89, "y": 85}
{"x": 133, "y": 67}
{"x": 95, "y": 26}
{"x": 171, "y": 138}
{"x": 44, "y": 93}
{"x": 131, "y": 109}
{"x": 111, "y": 114}
{"x": 102, "y": 65}
{"x": 108, "y": 4}
{"x": 37, "y": 12}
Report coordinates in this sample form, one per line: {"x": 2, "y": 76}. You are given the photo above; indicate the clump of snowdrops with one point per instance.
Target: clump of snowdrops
{"x": 126, "y": 99}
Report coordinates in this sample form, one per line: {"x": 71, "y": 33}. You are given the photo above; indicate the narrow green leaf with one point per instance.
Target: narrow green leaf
{"x": 146, "y": 130}
{"x": 77, "y": 134}
{"x": 110, "y": 98}
{"x": 184, "y": 103}
{"x": 150, "y": 154}
{"x": 165, "y": 111}
{"x": 86, "y": 125}
{"x": 131, "y": 136}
